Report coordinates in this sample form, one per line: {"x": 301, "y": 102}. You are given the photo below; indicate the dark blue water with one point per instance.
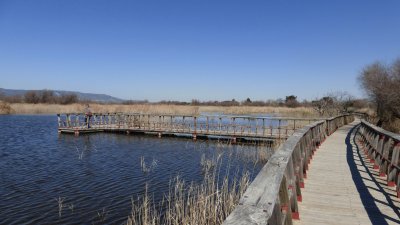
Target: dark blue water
{"x": 95, "y": 176}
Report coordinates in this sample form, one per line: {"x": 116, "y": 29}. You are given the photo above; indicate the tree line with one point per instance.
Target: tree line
{"x": 44, "y": 96}
{"x": 329, "y": 105}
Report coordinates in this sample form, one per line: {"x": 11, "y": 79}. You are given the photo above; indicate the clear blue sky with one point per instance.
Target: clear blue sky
{"x": 208, "y": 50}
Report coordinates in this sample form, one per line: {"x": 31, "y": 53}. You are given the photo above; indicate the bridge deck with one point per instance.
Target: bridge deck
{"x": 343, "y": 188}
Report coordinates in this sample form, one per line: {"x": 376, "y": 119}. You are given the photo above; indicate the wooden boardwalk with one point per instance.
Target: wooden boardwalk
{"x": 342, "y": 186}
{"x": 240, "y": 128}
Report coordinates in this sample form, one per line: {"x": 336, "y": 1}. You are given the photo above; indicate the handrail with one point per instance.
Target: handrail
{"x": 273, "y": 196}
{"x": 230, "y": 125}
{"x": 203, "y": 115}
{"x": 334, "y": 123}
{"x": 362, "y": 115}
{"x": 383, "y": 149}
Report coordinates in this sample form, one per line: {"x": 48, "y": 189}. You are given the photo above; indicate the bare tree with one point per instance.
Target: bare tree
{"x": 32, "y": 97}
{"x": 324, "y": 106}
{"x": 382, "y": 84}
{"x": 68, "y": 99}
{"x": 342, "y": 101}
{"x": 47, "y": 96}
{"x": 333, "y": 103}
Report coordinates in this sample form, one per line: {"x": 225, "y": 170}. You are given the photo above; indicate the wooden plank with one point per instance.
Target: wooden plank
{"x": 331, "y": 195}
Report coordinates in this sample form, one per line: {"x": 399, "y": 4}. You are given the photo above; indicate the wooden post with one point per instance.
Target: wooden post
{"x": 68, "y": 120}
{"x": 220, "y": 125}
{"x": 263, "y": 127}
{"x": 59, "y": 120}
{"x": 272, "y": 132}
{"x": 392, "y": 171}
{"x": 195, "y": 124}
{"x": 234, "y": 127}
{"x": 248, "y": 126}
{"x": 256, "y": 126}
{"x": 279, "y": 129}
{"x": 208, "y": 126}
{"x": 183, "y": 124}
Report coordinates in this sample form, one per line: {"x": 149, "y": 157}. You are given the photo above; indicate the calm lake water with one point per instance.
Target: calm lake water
{"x": 95, "y": 174}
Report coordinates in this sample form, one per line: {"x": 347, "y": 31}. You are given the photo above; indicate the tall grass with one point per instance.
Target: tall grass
{"x": 206, "y": 203}
{"x": 24, "y": 108}
{"x": 5, "y": 108}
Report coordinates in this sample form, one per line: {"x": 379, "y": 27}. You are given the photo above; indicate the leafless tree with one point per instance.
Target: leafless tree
{"x": 32, "y": 97}
{"x": 333, "y": 103}
{"x": 47, "y": 96}
{"x": 382, "y": 84}
{"x": 68, "y": 99}
{"x": 342, "y": 101}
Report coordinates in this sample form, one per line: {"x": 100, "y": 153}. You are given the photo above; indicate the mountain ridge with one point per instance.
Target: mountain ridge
{"x": 81, "y": 95}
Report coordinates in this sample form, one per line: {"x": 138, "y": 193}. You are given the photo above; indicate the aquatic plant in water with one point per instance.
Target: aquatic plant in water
{"x": 207, "y": 202}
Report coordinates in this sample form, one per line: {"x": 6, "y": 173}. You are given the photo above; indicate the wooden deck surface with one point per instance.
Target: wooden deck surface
{"x": 343, "y": 188}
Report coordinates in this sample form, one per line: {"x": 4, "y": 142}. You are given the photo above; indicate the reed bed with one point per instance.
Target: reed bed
{"x": 205, "y": 203}
{"x": 5, "y": 108}
{"x": 24, "y": 108}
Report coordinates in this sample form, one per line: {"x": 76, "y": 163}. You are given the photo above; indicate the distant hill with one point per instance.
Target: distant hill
{"x": 81, "y": 96}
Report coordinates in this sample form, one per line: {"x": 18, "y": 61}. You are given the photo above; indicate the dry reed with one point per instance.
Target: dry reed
{"x": 205, "y": 203}
{"x": 5, "y": 108}
{"x": 60, "y": 201}
{"x": 24, "y": 108}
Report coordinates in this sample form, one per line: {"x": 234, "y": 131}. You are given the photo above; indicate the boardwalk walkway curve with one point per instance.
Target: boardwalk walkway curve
{"x": 344, "y": 186}
{"x": 273, "y": 196}
{"x": 346, "y": 182}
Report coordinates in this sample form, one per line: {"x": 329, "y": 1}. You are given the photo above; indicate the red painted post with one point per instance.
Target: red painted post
{"x": 284, "y": 208}
{"x": 296, "y": 215}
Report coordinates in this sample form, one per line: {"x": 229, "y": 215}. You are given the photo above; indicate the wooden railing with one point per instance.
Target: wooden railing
{"x": 332, "y": 124}
{"x": 383, "y": 149}
{"x": 273, "y": 196}
{"x": 278, "y": 127}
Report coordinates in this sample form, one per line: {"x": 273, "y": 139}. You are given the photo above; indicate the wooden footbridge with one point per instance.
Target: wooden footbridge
{"x": 353, "y": 178}
{"x": 233, "y": 128}
{"x": 339, "y": 170}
